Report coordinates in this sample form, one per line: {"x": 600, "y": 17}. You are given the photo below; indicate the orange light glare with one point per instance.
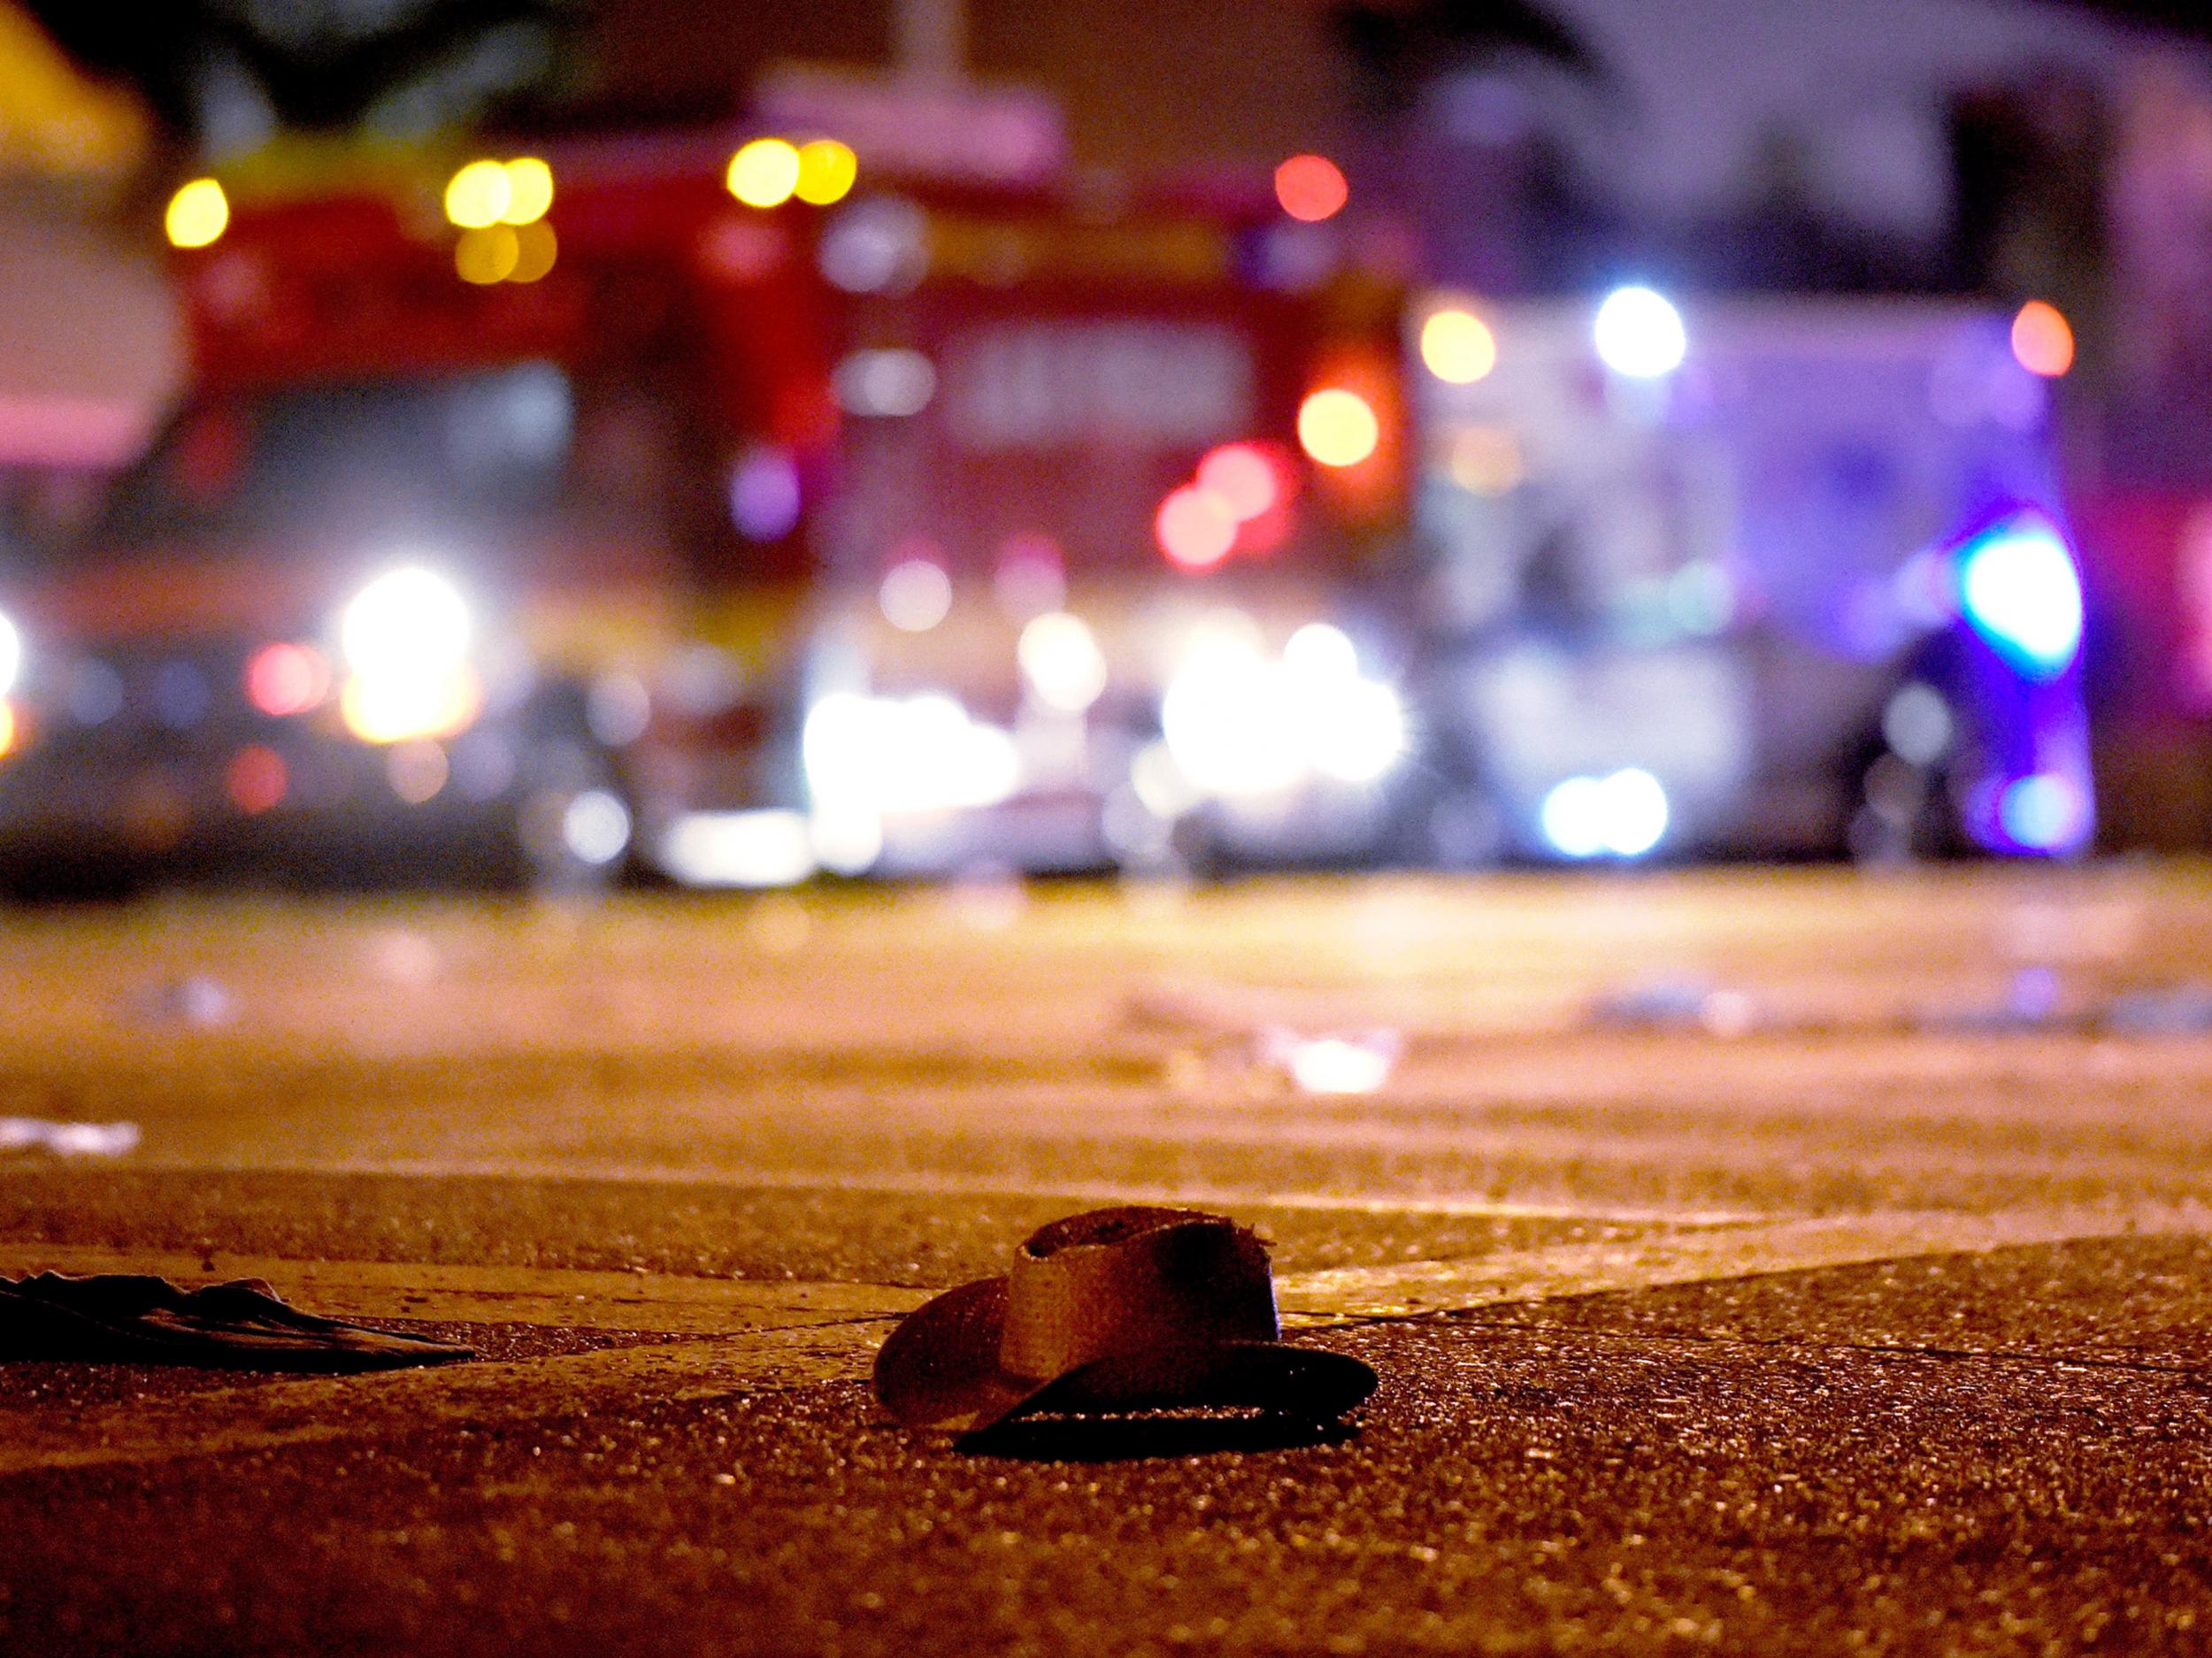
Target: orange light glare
{"x": 490, "y": 255}
{"x": 1243, "y": 477}
{"x": 2042, "y": 340}
{"x": 1310, "y": 187}
{"x": 1195, "y": 526}
{"x": 256, "y": 779}
{"x": 7, "y": 729}
{"x": 535, "y": 249}
{"x": 198, "y": 213}
{"x": 763, "y": 173}
{"x": 1337, "y": 427}
{"x": 284, "y": 679}
{"x": 1458, "y": 347}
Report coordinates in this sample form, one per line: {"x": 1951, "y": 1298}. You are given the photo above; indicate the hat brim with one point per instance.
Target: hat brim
{"x": 939, "y": 1368}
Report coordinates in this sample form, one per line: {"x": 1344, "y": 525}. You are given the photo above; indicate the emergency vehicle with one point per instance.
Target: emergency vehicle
{"x": 1757, "y": 576}
{"x": 678, "y": 506}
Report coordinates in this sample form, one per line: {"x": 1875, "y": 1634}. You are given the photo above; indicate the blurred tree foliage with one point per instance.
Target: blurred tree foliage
{"x": 222, "y": 75}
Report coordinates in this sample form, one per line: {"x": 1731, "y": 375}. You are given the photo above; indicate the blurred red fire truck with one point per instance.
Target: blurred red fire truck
{"x": 653, "y": 507}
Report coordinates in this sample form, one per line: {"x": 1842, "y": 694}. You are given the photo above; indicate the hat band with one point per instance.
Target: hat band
{"x": 1188, "y": 1279}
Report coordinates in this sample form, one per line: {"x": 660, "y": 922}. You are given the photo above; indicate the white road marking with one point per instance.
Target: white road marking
{"x": 658, "y": 1304}
{"x": 925, "y": 1183}
{"x": 1701, "y": 1255}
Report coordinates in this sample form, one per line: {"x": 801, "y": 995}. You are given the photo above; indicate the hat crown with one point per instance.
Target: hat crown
{"x": 1123, "y": 1280}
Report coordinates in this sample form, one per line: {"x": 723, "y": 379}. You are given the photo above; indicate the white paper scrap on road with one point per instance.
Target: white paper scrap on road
{"x": 68, "y": 1139}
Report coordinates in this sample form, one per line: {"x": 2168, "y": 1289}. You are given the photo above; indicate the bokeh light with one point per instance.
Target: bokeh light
{"x": 765, "y": 497}
{"x": 1337, "y": 427}
{"x": 386, "y": 708}
{"x": 1624, "y": 814}
{"x": 865, "y": 756}
{"x": 2043, "y": 811}
{"x": 417, "y": 771}
{"x": 2042, "y": 341}
{"x": 1486, "y": 460}
{"x": 535, "y": 249}
{"x": 1457, "y": 346}
{"x": 282, "y": 680}
{"x": 595, "y": 827}
{"x": 1310, "y": 187}
{"x": 256, "y": 779}
{"x": 1639, "y": 333}
{"x": 915, "y": 595}
{"x": 1321, "y": 652}
{"x": 827, "y": 172}
{"x": 763, "y": 172}
{"x": 2019, "y": 590}
{"x": 529, "y": 190}
{"x": 1195, "y": 527}
{"x": 487, "y": 255}
{"x": 1244, "y": 477}
{"x": 406, "y": 639}
{"x": 1060, "y": 657}
{"x": 478, "y": 196}
{"x": 198, "y": 213}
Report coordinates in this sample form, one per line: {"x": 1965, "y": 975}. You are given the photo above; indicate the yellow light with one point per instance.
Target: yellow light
{"x": 198, "y": 213}
{"x": 1337, "y": 427}
{"x": 529, "y": 191}
{"x": 479, "y": 194}
{"x": 827, "y": 172}
{"x": 1458, "y": 347}
{"x": 7, "y": 729}
{"x": 534, "y": 250}
{"x": 490, "y": 255}
{"x": 389, "y": 706}
{"x": 764, "y": 172}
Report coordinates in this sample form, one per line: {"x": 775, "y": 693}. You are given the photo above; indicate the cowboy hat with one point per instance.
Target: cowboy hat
{"x": 1116, "y": 1310}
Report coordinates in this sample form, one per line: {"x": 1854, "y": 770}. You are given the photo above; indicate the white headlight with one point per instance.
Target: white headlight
{"x": 1639, "y": 333}
{"x": 11, "y": 655}
{"x": 1624, "y": 814}
{"x": 405, "y": 639}
{"x": 1238, "y": 722}
{"x": 1357, "y": 735}
{"x": 1226, "y": 722}
{"x": 873, "y": 755}
{"x": 1059, "y": 656}
{"x": 410, "y": 620}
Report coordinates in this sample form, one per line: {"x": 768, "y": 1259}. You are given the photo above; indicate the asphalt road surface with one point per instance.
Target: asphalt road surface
{"x": 1757, "y": 1262}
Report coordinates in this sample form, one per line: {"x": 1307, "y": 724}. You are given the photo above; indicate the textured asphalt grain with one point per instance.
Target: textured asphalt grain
{"x": 1939, "y": 1447}
{"x": 1514, "y": 1487}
